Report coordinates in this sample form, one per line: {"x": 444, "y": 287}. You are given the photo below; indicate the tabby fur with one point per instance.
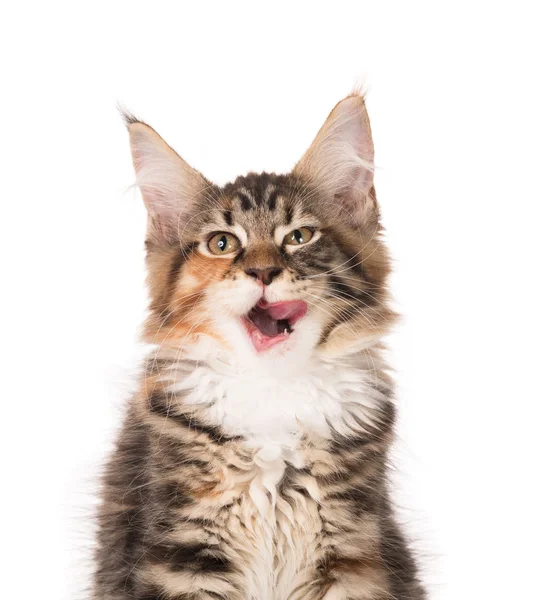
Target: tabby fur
{"x": 244, "y": 475}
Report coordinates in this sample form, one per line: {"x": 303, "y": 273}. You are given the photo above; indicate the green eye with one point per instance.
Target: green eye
{"x": 223, "y": 243}
{"x": 298, "y": 236}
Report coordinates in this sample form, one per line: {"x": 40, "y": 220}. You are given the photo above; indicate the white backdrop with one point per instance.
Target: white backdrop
{"x": 244, "y": 86}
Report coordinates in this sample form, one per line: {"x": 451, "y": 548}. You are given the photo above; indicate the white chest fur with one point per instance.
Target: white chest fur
{"x": 273, "y": 413}
{"x": 284, "y": 536}
{"x": 273, "y": 410}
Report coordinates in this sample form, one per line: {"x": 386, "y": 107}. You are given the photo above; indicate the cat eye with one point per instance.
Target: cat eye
{"x": 223, "y": 243}
{"x": 299, "y": 236}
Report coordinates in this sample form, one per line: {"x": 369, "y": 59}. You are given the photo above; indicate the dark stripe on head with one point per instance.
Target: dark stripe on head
{"x": 257, "y": 187}
{"x": 246, "y": 204}
{"x": 229, "y": 219}
{"x": 289, "y": 214}
{"x": 271, "y": 201}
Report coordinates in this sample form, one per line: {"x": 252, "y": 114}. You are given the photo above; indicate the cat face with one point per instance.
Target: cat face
{"x": 269, "y": 266}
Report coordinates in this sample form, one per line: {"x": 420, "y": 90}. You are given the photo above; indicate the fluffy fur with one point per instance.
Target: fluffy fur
{"x": 246, "y": 475}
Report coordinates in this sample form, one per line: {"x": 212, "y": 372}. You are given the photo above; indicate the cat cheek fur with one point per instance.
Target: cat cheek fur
{"x": 241, "y": 475}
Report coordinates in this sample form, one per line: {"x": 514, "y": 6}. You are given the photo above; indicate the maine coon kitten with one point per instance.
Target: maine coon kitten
{"x": 252, "y": 464}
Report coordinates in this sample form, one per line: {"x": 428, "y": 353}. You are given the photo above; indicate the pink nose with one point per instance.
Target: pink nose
{"x": 266, "y": 276}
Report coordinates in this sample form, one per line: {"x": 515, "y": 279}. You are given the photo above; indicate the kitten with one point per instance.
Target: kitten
{"x": 252, "y": 464}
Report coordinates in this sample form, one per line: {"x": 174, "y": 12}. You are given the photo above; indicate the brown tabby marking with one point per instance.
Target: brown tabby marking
{"x": 242, "y": 475}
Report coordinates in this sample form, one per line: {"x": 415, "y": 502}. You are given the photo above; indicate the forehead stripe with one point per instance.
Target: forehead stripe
{"x": 246, "y": 204}
{"x": 229, "y": 219}
{"x": 271, "y": 201}
{"x": 289, "y": 214}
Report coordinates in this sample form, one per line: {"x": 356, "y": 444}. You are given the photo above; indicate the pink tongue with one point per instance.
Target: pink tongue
{"x": 291, "y": 310}
{"x": 266, "y": 317}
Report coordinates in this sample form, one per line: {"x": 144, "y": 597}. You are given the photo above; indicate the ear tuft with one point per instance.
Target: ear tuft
{"x": 127, "y": 117}
{"x": 169, "y": 186}
{"x": 340, "y": 161}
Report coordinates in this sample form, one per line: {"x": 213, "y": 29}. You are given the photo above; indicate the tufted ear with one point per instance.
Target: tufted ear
{"x": 340, "y": 161}
{"x": 169, "y": 186}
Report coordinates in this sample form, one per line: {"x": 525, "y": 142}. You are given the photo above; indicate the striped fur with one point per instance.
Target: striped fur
{"x": 259, "y": 476}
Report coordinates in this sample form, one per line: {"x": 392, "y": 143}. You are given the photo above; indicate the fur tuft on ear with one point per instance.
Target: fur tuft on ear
{"x": 169, "y": 186}
{"x": 340, "y": 161}
{"x": 127, "y": 117}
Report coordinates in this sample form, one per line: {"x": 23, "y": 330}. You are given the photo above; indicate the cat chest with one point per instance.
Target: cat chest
{"x": 279, "y": 515}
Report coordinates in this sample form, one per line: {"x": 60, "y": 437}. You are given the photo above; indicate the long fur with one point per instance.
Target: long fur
{"x": 245, "y": 475}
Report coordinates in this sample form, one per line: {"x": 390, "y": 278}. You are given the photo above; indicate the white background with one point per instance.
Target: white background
{"x": 238, "y": 87}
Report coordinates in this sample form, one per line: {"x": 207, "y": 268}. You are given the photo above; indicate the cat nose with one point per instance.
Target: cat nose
{"x": 266, "y": 276}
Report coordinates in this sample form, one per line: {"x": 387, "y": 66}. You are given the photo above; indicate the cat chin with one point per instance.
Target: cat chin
{"x": 233, "y": 348}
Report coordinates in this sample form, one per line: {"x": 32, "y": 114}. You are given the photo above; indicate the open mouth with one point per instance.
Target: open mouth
{"x": 269, "y": 324}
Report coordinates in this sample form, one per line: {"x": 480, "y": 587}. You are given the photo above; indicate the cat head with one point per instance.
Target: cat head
{"x": 268, "y": 267}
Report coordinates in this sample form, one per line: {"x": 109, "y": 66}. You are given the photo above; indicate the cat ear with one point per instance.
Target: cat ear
{"x": 169, "y": 186}
{"x": 340, "y": 161}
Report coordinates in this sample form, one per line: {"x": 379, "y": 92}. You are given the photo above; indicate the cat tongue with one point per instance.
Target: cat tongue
{"x": 290, "y": 310}
{"x": 266, "y": 324}
{"x": 273, "y": 319}
{"x": 269, "y": 324}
